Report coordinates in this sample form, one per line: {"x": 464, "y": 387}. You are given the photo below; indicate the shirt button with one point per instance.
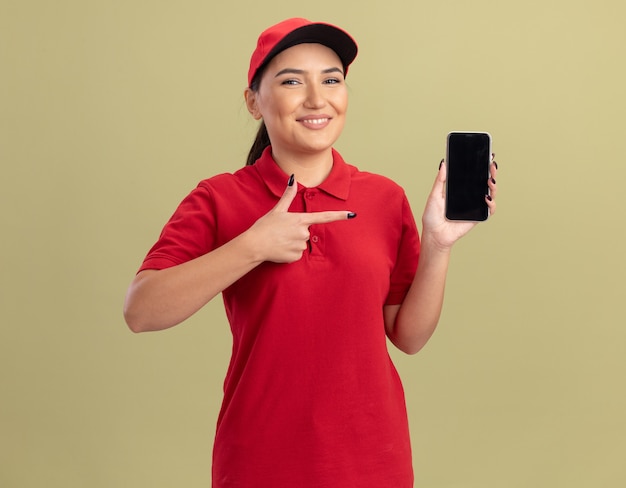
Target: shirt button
{"x": 310, "y": 194}
{"x": 315, "y": 239}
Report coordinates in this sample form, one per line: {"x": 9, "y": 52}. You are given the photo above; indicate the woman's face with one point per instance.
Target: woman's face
{"x": 302, "y": 99}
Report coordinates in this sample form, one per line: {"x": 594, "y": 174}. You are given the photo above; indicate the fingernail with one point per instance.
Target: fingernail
{"x": 489, "y": 197}
{"x": 495, "y": 164}
{"x": 441, "y": 164}
{"x": 351, "y": 215}
{"x": 493, "y": 180}
{"x": 291, "y": 180}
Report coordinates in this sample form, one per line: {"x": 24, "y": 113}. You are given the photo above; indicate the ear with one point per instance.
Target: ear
{"x": 251, "y": 103}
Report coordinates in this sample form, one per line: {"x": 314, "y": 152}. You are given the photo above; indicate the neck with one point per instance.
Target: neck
{"x": 310, "y": 170}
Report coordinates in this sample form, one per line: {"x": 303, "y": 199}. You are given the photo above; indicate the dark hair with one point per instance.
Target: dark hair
{"x": 262, "y": 139}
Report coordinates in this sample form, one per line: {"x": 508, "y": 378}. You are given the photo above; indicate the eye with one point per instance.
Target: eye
{"x": 290, "y": 81}
{"x": 332, "y": 81}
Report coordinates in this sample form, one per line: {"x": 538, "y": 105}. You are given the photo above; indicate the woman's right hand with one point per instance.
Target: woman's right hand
{"x": 281, "y": 236}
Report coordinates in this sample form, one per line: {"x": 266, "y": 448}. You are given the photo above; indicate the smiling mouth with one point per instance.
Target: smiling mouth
{"x": 315, "y": 121}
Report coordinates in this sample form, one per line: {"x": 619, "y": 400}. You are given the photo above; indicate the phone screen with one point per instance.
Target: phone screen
{"x": 468, "y": 158}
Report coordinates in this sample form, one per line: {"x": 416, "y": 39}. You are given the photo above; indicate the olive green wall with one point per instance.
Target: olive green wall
{"x": 111, "y": 111}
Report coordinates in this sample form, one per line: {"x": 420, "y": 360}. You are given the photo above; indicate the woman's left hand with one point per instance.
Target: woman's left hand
{"x": 436, "y": 228}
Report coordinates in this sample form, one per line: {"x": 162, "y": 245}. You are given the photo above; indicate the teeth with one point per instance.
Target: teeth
{"x": 316, "y": 121}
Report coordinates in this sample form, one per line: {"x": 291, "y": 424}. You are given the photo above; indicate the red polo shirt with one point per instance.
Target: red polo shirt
{"x": 311, "y": 397}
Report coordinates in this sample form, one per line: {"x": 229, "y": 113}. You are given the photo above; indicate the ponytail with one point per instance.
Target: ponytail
{"x": 261, "y": 141}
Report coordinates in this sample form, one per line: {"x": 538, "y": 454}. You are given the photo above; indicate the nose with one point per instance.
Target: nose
{"x": 314, "y": 96}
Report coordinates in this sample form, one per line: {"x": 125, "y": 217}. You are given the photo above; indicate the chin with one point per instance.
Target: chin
{"x": 320, "y": 145}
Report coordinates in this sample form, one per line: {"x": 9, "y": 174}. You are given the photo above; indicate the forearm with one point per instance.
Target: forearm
{"x": 417, "y": 317}
{"x": 160, "y": 299}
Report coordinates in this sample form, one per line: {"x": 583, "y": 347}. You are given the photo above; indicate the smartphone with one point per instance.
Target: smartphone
{"x": 468, "y": 156}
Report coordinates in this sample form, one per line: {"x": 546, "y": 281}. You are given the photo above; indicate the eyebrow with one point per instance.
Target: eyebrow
{"x": 301, "y": 71}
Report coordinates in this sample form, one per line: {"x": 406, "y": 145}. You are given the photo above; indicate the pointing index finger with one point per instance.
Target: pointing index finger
{"x": 326, "y": 217}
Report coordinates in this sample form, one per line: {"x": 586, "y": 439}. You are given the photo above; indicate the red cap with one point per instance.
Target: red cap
{"x": 290, "y": 32}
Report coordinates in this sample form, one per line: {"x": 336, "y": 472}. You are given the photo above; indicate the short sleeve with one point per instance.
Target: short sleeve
{"x": 407, "y": 258}
{"x": 188, "y": 234}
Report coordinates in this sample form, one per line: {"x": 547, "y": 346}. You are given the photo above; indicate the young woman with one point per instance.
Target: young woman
{"x": 318, "y": 263}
